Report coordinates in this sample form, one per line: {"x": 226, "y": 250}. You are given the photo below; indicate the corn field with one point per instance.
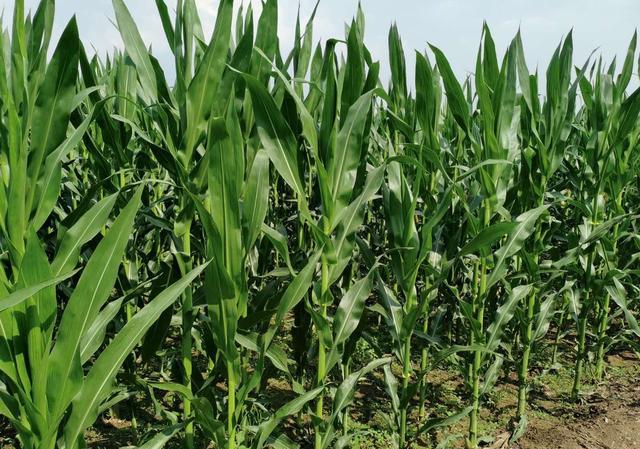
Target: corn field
{"x": 262, "y": 218}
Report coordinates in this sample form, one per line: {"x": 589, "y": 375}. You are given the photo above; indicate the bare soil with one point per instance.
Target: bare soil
{"x": 606, "y": 417}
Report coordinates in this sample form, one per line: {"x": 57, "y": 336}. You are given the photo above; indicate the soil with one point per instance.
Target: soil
{"x": 609, "y": 418}
{"x": 606, "y": 417}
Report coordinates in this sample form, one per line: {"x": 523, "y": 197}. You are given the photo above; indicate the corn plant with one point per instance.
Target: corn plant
{"x": 344, "y": 227}
{"x": 494, "y": 146}
{"x": 410, "y": 144}
{"x": 43, "y": 372}
{"x": 603, "y": 143}
{"x": 545, "y": 133}
{"x": 339, "y": 149}
{"x": 180, "y": 121}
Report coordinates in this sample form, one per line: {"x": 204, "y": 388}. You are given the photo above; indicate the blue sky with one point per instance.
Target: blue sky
{"x": 453, "y": 25}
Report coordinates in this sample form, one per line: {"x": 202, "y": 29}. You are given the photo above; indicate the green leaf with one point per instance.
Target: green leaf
{"x": 161, "y": 438}
{"x": 347, "y": 155}
{"x": 277, "y": 138}
{"x": 456, "y": 100}
{"x": 225, "y": 174}
{"x": 348, "y": 314}
{"x": 274, "y": 352}
{"x": 543, "y": 317}
{"x": 80, "y": 233}
{"x": 346, "y": 390}
{"x": 53, "y": 104}
{"x": 486, "y": 237}
{"x": 290, "y": 408}
{"x": 18, "y": 297}
{"x": 97, "y": 384}
{"x": 204, "y": 86}
{"x": 619, "y": 295}
{"x": 93, "y": 289}
{"x": 93, "y": 338}
{"x": 447, "y": 421}
{"x": 279, "y": 242}
{"x": 137, "y": 51}
{"x": 504, "y": 314}
{"x": 256, "y": 198}
{"x": 49, "y": 183}
{"x": 293, "y": 295}
{"x": 526, "y": 224}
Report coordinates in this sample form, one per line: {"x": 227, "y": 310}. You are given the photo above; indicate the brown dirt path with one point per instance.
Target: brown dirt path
{"x": 609, "y": 418}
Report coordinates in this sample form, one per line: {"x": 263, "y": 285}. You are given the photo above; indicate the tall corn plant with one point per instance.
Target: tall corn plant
{"x": 180, "y": 118}
{"x": 493, "y": 151}
{"x": 37, "y": 98}
{"x": 605, "y": 144}
{"x": 338, "y": 151}
{"x": 205, "y": 146}
{"x": 411, "y": 144}
{"x": 46, "y": 395}
{"x": 545, "y": 133}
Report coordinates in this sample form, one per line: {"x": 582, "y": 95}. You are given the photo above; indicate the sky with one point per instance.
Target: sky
{"x": 454, "y": 26}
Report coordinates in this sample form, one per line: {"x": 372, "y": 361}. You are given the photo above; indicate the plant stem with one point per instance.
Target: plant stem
{"x": 406, "y": 373}
{"x": 423, "y": 364}
{"x": 321, "y": 349}
{"x": 603, "y": 318}
{"x": 187, "y": 323}
{"x": 472, "y": 442}
{"x": 554, "y": 356}
{"x": 584, "y": 312}
{"x": 602, "y": 333}
{"x": 577, "y": 380}
{"x": 231, "y": 406}
{"x": 527, "y": 334}
{"x": 526, "y": 353}
{"x": 345, "y": 414}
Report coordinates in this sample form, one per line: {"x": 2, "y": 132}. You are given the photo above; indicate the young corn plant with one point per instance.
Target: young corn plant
{"x": 46, "y": 395}
{"x": 179, "y": 117}
{"x": 494, "y": 146}
{"x": 338, "y": 152}
{"x": 411, "y": 190}
{"x": 604, "y": 143}
{"x": 545, "y": 130}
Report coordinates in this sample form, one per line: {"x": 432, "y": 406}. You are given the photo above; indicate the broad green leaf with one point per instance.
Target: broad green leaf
{"x": 203, "y": 88}
{"x": 293, "y": 295}
{"x": 97, "y": 384}
{"x": 137, "y": 51}
{"x": 348, "y": 314}
{"x": 80, "y": 233}
{"x": 447, "y": 421}
{"x": 290, "y": 408}
{"x": 526, "y": 223}
{"x": 543, "y": 317}
{"x": 347, "y": 155}
{"x": 159, "y": 440}
{"x": 92, "y": 290}
{"x": 94, "y": 336}
{"x": 19, "y": 296}
{"x": 456, "y": 101}
{"x": 256, "y": 199}
{"x": 277, "y": 138}
{"x": 486, "y": 237}
{"x": 504, "y": 314}
{"x": 619, "y": 295}
{"x": 53, "y": 104}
